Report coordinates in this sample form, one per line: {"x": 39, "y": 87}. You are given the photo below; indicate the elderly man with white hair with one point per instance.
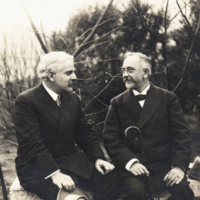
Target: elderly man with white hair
{"x": 147, "y": 137}
{"x": 49, "y": 122}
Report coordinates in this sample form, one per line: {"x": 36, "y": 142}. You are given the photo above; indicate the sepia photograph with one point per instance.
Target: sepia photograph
{"x": 100, "y": 100}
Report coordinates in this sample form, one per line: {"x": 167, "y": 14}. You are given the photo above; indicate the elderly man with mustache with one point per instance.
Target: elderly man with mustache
{"x": 49, "y": 122}
{"x": 146, "y": 136}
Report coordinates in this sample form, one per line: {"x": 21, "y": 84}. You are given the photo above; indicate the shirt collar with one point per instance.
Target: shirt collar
{"x": 135, "y": 92}
{"x": 51, "y": 93}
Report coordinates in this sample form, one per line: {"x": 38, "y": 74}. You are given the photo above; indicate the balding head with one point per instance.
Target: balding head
{"x": 136, "y": 71}
{"x": 145, "y": 60}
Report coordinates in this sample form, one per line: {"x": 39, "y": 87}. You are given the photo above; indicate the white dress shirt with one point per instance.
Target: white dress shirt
{"x": 135, "y": 92}
{"x": 54, "y": 97}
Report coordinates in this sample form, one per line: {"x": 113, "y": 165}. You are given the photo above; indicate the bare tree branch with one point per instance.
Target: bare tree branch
{"x": 167, "y": 4}
{"x": 94, "y": 96}
{"x": 102, "y": 90}
{"x": 93, "y": 47}
{"x": 178, "y": 13}
{"x": 188, "y": 56}
{"x": 143, "y": 22}
{"x": 186, "y": 19}
{"x": 97, "y": 61}
{"x": 43, "y": 34}
{"x": 34, "y": 28}
{"x": 93, "y": 30}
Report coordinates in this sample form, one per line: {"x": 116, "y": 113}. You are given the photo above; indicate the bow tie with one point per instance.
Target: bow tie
{"x": 141, "y": 97}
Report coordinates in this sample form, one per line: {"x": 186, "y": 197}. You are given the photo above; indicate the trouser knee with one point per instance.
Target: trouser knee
{"x": 132, "y": 192}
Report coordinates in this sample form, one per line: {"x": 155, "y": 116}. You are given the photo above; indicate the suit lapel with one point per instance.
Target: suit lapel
{"x": 48, "y": 103}
{"x": 132, "y": 105}
{"x": 152, "y": 101}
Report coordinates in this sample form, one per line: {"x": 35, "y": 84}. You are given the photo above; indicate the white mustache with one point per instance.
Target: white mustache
{"x": 128, "y": 79}
{"x": 71, "y": 84}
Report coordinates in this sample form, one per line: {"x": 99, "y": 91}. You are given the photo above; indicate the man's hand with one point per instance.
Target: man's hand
{"x": 103, "y": 166}
{"x": 174, "y": 176}
{"x": 62, "y": 180}
{"x": 138, "y": 169}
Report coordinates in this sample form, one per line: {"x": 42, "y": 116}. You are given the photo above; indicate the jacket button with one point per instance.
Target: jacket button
{"x": 136, "y": 138}
{"x": 155, "y": 152}
{"x": 153, "y": 136}
{"x": 137, "y": 154}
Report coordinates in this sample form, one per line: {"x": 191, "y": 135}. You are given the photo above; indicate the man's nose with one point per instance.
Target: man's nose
{"x": 73, "y": 76}
{"x": 125, "y": 74}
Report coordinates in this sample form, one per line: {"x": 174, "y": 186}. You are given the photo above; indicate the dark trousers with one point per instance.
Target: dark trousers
{"x": 140, "y": 188}
{"x": 104, "y": 186}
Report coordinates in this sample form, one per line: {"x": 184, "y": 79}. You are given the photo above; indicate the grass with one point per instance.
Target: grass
{"x": 8, "y": 154}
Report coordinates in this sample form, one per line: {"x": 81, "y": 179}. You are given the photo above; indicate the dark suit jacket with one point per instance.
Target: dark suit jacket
{"x": 47, "y": 136}
{"x": 165, "y": 135}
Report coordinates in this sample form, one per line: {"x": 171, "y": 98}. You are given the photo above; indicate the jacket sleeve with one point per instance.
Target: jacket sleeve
{"x": 85, "y": 136}
{"x": 30, "y": 142}
{"x": 118, "y": 152}
{"x": 180, "y": 134}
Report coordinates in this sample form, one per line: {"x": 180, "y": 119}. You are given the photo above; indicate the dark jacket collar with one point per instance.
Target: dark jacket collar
{"x": 133, "y": 107}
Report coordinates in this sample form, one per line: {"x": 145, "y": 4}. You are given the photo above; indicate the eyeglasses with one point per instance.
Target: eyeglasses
{"x": 128, "y": 70}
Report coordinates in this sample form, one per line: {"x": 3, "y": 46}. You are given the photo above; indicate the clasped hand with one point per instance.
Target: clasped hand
{"x": 174, "y": 176}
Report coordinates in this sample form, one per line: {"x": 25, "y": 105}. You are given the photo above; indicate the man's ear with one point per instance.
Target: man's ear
{"x": 51, "y": 76}
{"x": 147, "y": 73}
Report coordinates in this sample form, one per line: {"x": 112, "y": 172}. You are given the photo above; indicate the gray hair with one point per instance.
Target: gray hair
{"x": 142, "y": 56}
{"x": 52, "y": 62}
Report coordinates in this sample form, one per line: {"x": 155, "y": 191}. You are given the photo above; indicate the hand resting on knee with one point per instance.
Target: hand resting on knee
{"x": 138, "y": 169}
{"x": 62, "y": 180}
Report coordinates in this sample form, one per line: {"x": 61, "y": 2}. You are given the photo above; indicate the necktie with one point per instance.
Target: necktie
{"x": 141, "y": 97}
{"x": 58, "y": 101}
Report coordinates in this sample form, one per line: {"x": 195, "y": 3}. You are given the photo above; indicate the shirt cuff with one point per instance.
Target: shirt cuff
{"x": 52, "y": 174}
{"x": 180, "y": 167}
{"x": 130, "y": 162}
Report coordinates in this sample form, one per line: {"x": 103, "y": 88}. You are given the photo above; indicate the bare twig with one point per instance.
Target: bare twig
{"x": 98, "y": 60}
{"x": 5, "y": 56}
{"x": 188, "y": 56}
{"x": 12, "y": 142}
{"x": 102, "y": 90}
{"x": 99, "y": 123}
{"x": 90, "y": 29}
{"x": 97, "y": 38}
{"x": 93, "y": 97}
{"x": 43, "y": 34}
{"x": 7, "y": 100}
{"x": 93, "y": 30}
{"x": 18, "y": 84}
{"x": 166, "y": 18}
{"x": 186, "y": 19}
{"x": 178, "y": 13}
{"x": 93, "y": 47}
{"x": 98, "y": 112}
{"x": 143, "y": 22}
{"x": 34, "y": 28}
